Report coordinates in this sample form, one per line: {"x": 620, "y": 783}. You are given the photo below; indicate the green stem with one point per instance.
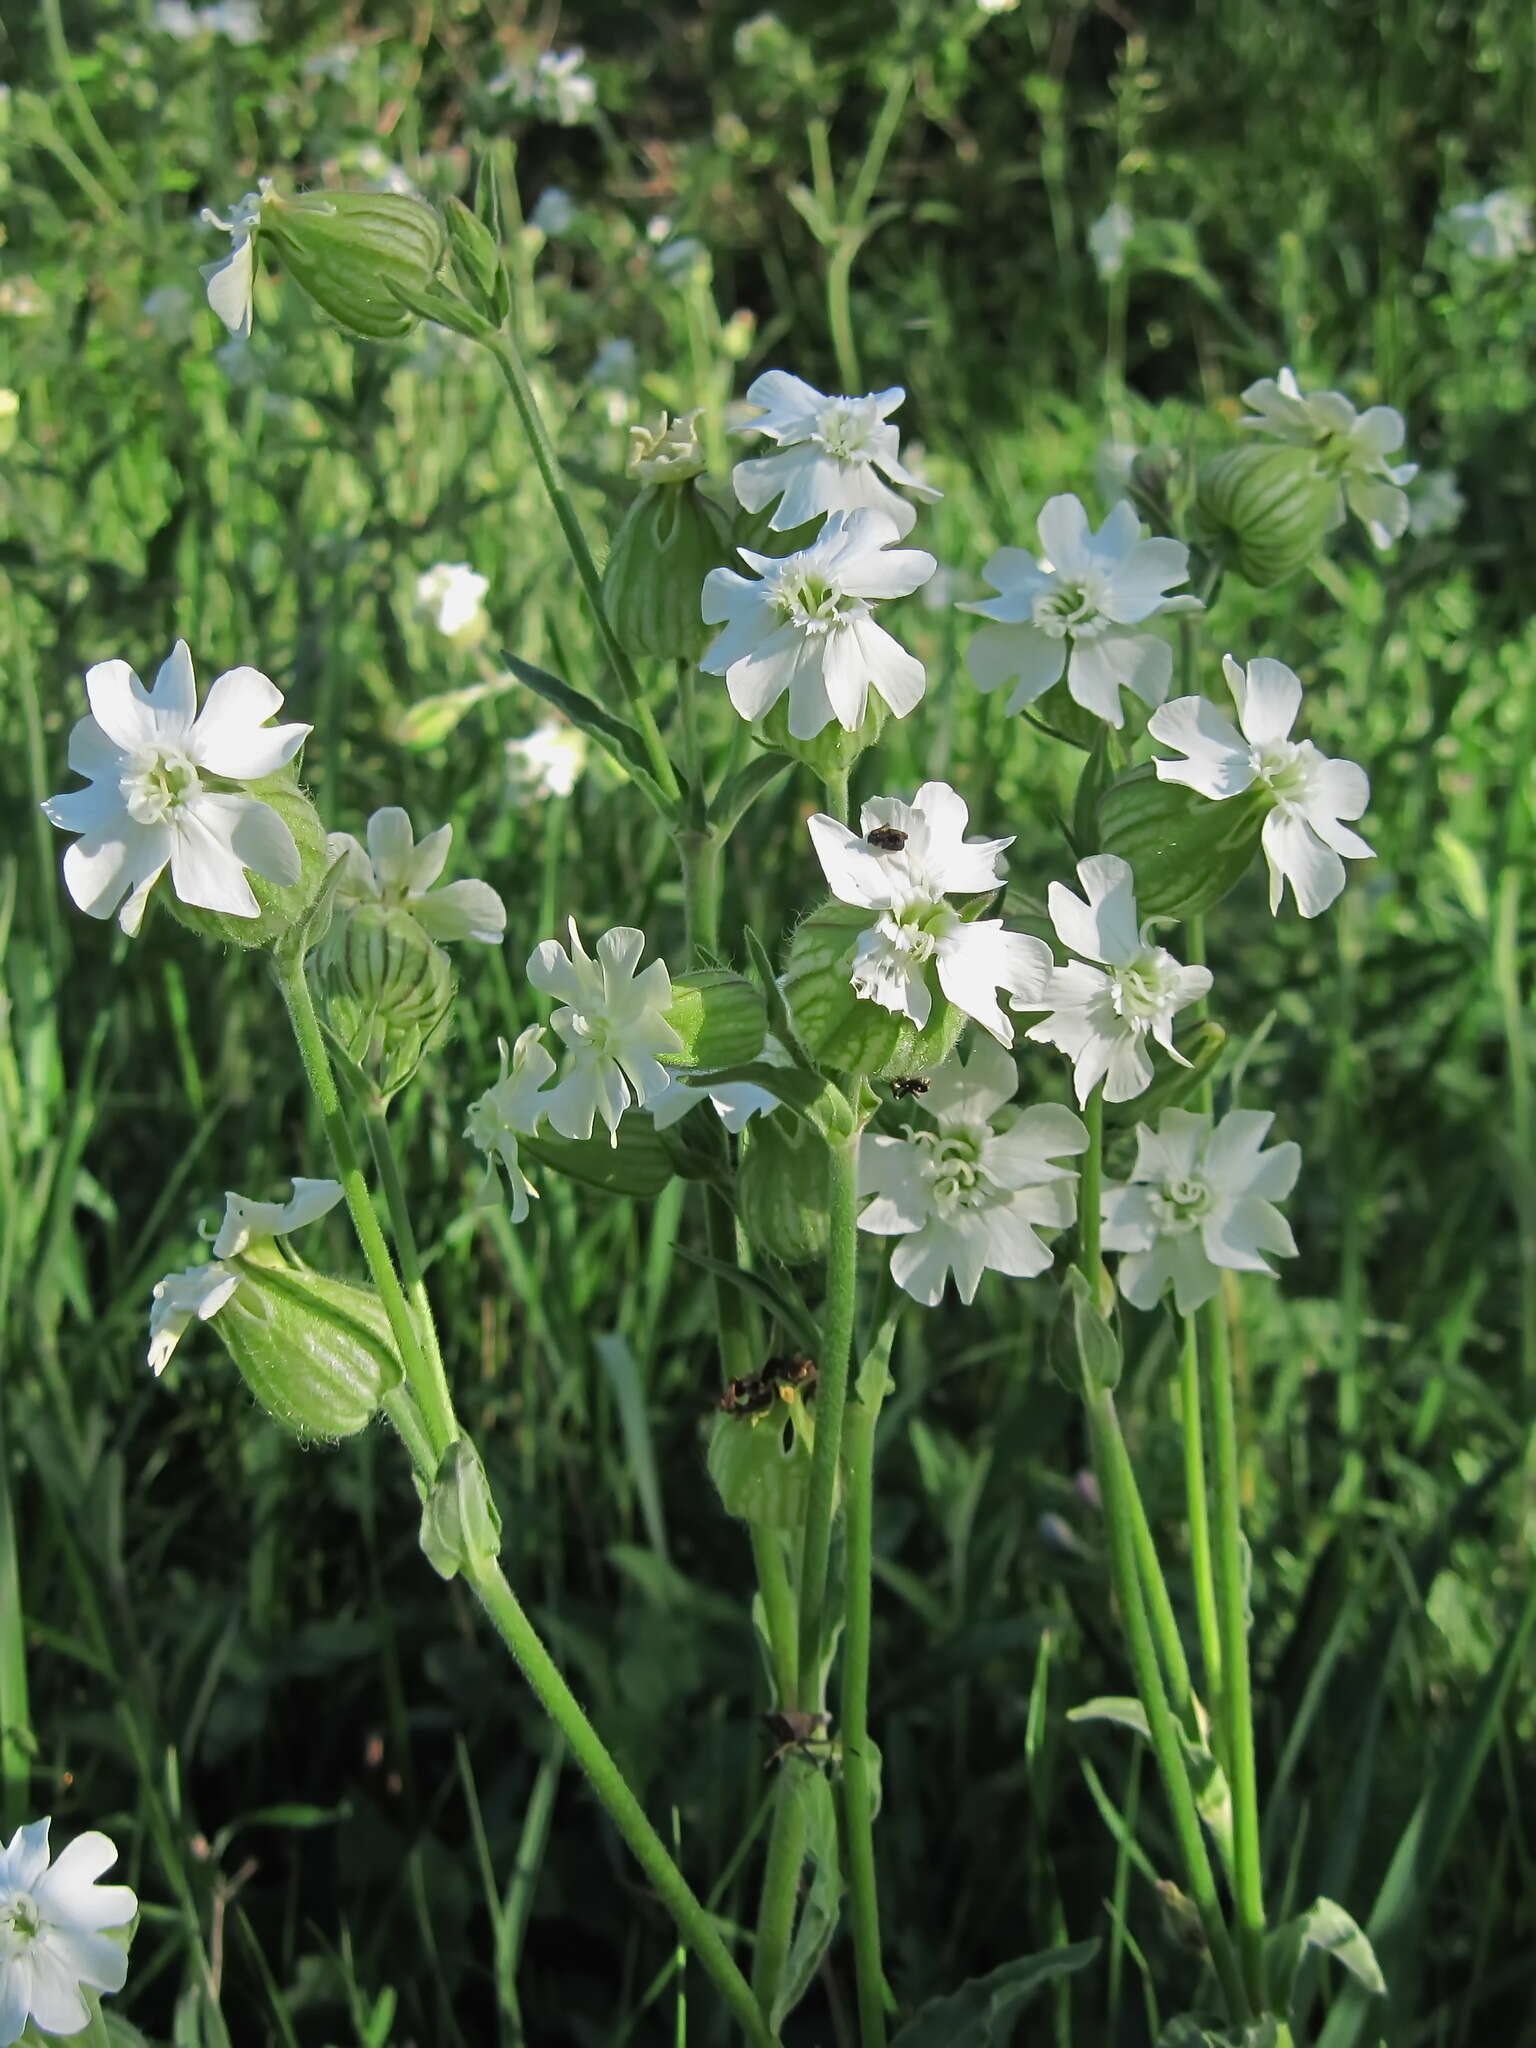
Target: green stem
{"x": 781, "y": 1884}
{"x": 69, "y": 86}
{"x": 547, "y": 462}
{"x": 1090, "y": 1193}
{"x": 15, "y": 1717}
{"x": 396, "y": 1202}
{"x": 1164, "y": 1622}
{"x": 835, "y": 791}
{"x": 607, "y": 1781}
{"x": 700, "y": 853}
{"x": 426, "y": 1385}
{"x": 863, "y": 1891}
{"x": 831, "y": 1399}
{"x": 1237, "y": 1696}
{"x": 1104, "y": 1430}
{"x": 778, "y": 1613}
{"x": 1201, "y": 1568}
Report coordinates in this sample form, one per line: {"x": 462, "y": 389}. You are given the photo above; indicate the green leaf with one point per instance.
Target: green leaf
{"x": 616, "y": 736}
{"x": 1327, "y": 1927}
{"x": 981, "y": 2014}
{"x": 817, "y": 1924}
{"x": 1084, "y": 1350}
{"x": 785, "y": 1306}
{"x": 737, "y": 794}
{"x": 638, "y": 1165}
{"x": 431, "y": 302}
{"x": 1125, "y": 1713}
{"x": 1186, "y": 851}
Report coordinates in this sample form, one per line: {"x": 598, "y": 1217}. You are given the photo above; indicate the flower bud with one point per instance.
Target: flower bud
{"x": 316, "y": 1353}
{"x": 669, "y": 540}
{"x": 761, "y": 1464}
{"x": 386, "y": 990}
{"x": 1186, "y": 852}
{"x": 781, "y": 1188}
{"x": 345, "y": 248}
{"x": 834, "y": 750}
{"x": 280, "y": 908}
{"x": 460, "y": 1525}
{"x": 477, "y": 261}
{"x": 847, "y": 1033}
{"x": 1265, "y": 511}
{"x": 721, "y": 1019}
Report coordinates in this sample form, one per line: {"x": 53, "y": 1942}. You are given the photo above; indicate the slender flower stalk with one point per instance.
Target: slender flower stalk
{"x": 1197, "y": 1508}
{"x": 831, "y": 1399}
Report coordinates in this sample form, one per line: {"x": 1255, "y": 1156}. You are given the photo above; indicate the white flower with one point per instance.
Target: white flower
{"x": 1113, "y": 462}
{"x": 1311, "y": 794}
{"x": 396, "y": 870}
{"x": 1077, "y": 609}
{"x": 549, "y": 761}
{"x": 199, "y": 1292}
{"x": 145, "y": 754}
{"x": 555, "y": 86}
{"x": 1201, "y": 1197}
{"x": 1351, "y": 446}
{"x": 910, "y": 859}
{"x": 511, "y": 1110}
{"x": 453, "y": 596}
{"x": 1435, "y": 504}
{"x": 1494, "y": 229}
{"x": 51, "y": 1940}
{"x": 734, "y": 1102}
{"x": 613, "y": 1025}
{"x": 834, "y": 455}
{"x": 1109, "y": 238}
{"x": 231, "y": 281}
{"x": 1102, "y": 1016}
{"x": 806, "y": 625}
{"x": 554, "y": 212}
{"x": 974, "y": 1192}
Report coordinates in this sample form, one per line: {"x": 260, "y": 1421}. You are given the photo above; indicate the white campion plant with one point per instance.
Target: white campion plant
{"x": 1078, "y": 609}
{"x": 1102, "y": 1014}
{"x": 1351, "y": 445}
{"x": 1201, "y": 1199}
{"x": 152, "y": 761}
{"x": 53, "y": 1944}
{"x": 198, "y": 1293}
{"x": 832, "y": 455}
{"x": 394, "y": 869}
{"x": 1306, "y": 841}
{"x": 971, "y": 1192}
{"x": 805, "y": 624}
{"x": 911, "y": 858}
{"x": 613, "y": 1025}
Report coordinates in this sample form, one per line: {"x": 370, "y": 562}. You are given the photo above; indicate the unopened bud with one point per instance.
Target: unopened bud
{"x": 669, "y": 540}
{"x": 460, "y": 1526}
{"x": 316, "y": 1353}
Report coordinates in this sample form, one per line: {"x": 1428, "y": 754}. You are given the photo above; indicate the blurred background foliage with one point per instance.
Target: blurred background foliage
{"x": 343, "y": 1814}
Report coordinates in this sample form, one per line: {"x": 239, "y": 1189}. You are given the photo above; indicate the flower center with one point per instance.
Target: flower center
{"x": 1141, "y": 990}
{"x": 21, "y": 1921}
{"x": 915, "y": 929}
{"x": 845, "y": 427}
{"x": 950, "y": 1164}
{"x": 810, "y": 600}
{"x": 158, "y": 781}
{"x": 592, "y": 1029}
{"x": 1180, "y": 1204}
{"x": 1285, "y": 768}
{"x": 1071, "y": 608}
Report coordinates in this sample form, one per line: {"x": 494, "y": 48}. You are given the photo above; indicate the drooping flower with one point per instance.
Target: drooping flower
{"x": 1109, "y": 238}
{"x": 911, "y": 859}
{"x": 199, "y": 1292}
{"x": 511, "y": 1109}
{"x": 833, "y": 455}
{"x": 453, "y": 597}
{"x": 150, "y": 757}
{"x": 549, "y": 761}
{"x": 1201, "y": 1197}
{"x": 1435, "y": 504}
{"x": 394, "y": 869}
{"x": 1351, "y": 446}
{"x": 1494, "y": 229}
{"x": 1311, "y": 794}
{"x": 1078, "y": 609}
{"x": 806, "y": 624}
{"x": 973, "y": 1192}
{"x": 52, "y": 1944}
{"x": 1102, "y": 1015}
{"x": 612, "y": 1023}
{"x": 232, "y": 280}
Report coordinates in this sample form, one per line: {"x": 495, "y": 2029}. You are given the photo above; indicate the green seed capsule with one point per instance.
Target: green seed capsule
{"x": 316, "y": 1353}
{"x": 781, "y": 1188}
{"x": 343, "y": 248}
{"x": 386, "y": 989}
{"x": 669, "y": 540}
{"x": 1264, "y": 510}
{"x": 846, "y": 1032}
{"x": 1185, "y": 851}
{"x": 720, "y": 1018}
{"x": 279, "y": 907}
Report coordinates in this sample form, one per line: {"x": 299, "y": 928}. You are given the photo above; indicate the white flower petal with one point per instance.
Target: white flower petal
{"x": 232, "y": 738}
{"x": 1268, "y": 698}
{"x": 1296, "y": 855}
{"x": 462, "y": 910}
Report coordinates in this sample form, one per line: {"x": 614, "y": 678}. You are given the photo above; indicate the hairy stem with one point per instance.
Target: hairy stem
{"x": 831, "y": 1399}
{"x": 1202, "y": 1570}
{"x": 858, "y": 1801}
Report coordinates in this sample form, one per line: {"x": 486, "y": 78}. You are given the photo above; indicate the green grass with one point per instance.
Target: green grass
{"x": 345, "y": 1816}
